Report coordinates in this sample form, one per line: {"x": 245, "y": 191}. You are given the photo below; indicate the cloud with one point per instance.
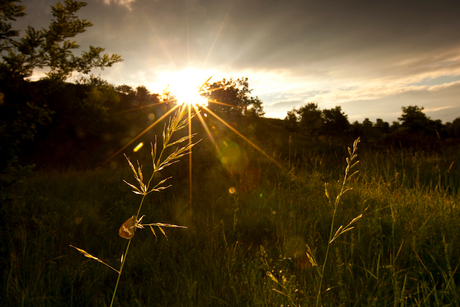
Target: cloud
{"x": 125, "y": 3}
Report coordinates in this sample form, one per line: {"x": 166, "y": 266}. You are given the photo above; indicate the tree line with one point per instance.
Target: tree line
{"x": 310, "y": 120}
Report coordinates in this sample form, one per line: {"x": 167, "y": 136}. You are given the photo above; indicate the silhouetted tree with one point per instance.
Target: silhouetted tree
{"x": 126, "y": 89}
{"x": 335, "y": 121}
{"x": 256, "y": 109}
{"x": 291, "y": 121}
{"x": 311, "y": 118}
{"x": 436, "y": 128}
{"x": 24, "y": 106}
{"x": 357, "y": 129}
{"x": 9, "y": 11}
{"x": 414, "y": 120}
{"x": 453, "y": 129}
{"x": 367, "y": 123}
{"x": 142, "y": 93}
{"x": 100, "y": 97}
{"x": 244, "y": 93}
{"x": 223, "y": 96}
{"x": 382, "y": 125}
{"x": 53, "y": 47}
{"x": 395, "y": 126}
{"x": 233, "y": 96}
{"x": 456, "y": 127}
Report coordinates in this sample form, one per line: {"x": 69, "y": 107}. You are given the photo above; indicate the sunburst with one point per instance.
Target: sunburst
{"x": 184, "y": 89}
{"x": 184, "y": 86}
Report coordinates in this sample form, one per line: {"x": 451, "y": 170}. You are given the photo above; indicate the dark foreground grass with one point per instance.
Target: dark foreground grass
{"x": 242, "y": 249}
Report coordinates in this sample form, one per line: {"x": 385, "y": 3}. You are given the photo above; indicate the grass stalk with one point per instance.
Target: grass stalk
{"x": 350, "y": 164}
{"x": 119, "y": 274}
{"x": 179, "y": 121}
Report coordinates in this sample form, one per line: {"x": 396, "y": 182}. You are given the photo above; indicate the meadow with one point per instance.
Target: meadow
{"x": 259, "y": 227}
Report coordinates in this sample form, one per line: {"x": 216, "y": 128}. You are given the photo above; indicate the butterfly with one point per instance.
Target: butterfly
{"x": 128, "y": 228}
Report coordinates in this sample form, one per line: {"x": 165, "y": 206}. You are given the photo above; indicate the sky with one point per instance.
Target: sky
{"x": 369, "y": 57}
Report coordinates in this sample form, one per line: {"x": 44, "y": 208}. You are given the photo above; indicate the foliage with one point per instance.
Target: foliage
{"x": 414, "y": 128}
{"x": 25, "y": 108}
{"x": 256, "y": 110}
{"x": 367, "y": 123}
{"x": 53, "y": 47}
{"x": 311, "y": 118}
{"x": 291, "y": 121}
{"x": 413, "y": 119}
{"x": 335, "y": 121}
{"x": 382, "y": 125}
{"x": 312, "y": 121}
{"x": 21, "y": 114}
{"x": 233, "y": 96}
{"x": 142, "y": 93}
{"x": 125, "y": 89}
{"x": 453, "y": 128}
{"x": 9, "y": 11}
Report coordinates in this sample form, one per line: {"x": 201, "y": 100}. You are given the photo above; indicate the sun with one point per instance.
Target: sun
{"x": 186, "y": 86}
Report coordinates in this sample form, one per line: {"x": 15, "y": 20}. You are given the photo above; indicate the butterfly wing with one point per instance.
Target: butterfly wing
{"x": 128, "y": 228}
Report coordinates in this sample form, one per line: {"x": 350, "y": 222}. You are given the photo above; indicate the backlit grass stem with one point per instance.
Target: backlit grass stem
{"x": 343, "y": 189}
{"x": 178, "y": 122}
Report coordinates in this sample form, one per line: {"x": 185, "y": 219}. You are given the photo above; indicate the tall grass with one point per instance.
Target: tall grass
{"x": 402, "y": 252}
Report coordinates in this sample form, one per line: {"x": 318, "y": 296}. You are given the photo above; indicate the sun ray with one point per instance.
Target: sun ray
{"x": 142, "y": 107}
{"x": 139, "y": 135}
{"x": 208, "y": 133}
{"x": 215, "y": 89}
{"x": 224, "y": 104}
{"x": 187, "y": 29}
{"x": 204, "y": 83}
{"x": 190, "y": 157}
{"x": 217, "y": 35}
{"x": 244, "y": 138}
{"x": 161, "y": 42}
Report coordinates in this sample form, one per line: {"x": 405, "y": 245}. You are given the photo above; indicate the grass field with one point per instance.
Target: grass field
{"x": 259, "y": 228}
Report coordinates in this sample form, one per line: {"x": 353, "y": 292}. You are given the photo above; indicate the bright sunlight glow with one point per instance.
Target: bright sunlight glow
{"x": 187, "y": 93}
{"x": 184, "y": 85}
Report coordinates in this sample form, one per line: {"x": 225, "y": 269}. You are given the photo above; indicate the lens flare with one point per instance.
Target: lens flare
{"x": 139, "y": 146}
